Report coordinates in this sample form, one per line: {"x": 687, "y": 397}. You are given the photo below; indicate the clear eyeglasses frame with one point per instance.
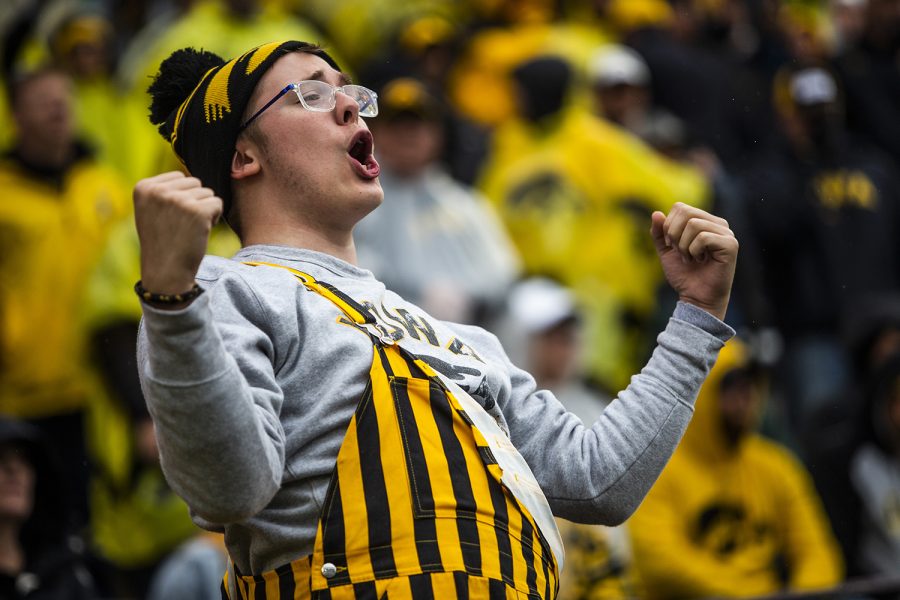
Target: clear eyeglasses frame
{"x": 320, "y": 96}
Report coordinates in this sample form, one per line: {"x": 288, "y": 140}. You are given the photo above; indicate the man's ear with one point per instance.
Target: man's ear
{"x": 245, "y": 161}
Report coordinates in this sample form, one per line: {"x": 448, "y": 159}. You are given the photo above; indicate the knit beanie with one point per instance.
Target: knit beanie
{"x": 544, "y": 84}
{"x": 199, "y": 101}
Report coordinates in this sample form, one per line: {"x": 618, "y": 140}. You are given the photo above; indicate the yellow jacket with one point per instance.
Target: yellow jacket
{"x": 731, "y": 523}
{"x": 138, "y": 522}
{"x": 576, "y": 198}
{"x": 114, "y": 124}
{"x": 480, "y": 84}
{"x": 51, "y": 240}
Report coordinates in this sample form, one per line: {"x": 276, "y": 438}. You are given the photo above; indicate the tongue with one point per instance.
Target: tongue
{"x": 368, "y": 170}
{"x": 372, "y": 166}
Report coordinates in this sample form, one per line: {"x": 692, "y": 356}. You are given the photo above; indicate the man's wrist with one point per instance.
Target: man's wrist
{"x": 717, "y": 310}
{"x": 167, "y": 300}
{"x": 699, "y": 317}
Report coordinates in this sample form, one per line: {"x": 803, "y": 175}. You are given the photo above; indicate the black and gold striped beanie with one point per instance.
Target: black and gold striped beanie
{"x": 199, "y": 100}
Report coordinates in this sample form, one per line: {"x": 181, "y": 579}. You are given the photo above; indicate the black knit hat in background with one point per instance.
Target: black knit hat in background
{"x": 199, "y": 100}
{"x": 544, "y": 84}
{"x": 49, "y": 523}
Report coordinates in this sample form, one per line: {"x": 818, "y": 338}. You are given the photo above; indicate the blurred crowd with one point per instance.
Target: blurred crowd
{"x": 524, "y": 146}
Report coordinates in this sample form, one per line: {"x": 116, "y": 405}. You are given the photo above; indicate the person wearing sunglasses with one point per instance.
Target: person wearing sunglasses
{"x": 347, "y": 443}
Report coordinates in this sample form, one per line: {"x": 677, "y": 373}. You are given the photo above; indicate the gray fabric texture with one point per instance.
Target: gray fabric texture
{"x": 445, "y": 236}
{"x": 252, "y": 386}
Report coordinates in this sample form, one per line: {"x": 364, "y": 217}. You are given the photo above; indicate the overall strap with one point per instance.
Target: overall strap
{"x": 350, "y": 307}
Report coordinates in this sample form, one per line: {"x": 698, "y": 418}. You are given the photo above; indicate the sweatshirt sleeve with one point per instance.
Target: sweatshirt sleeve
{"x": 211, "y": 390}
{"x": 600, "y": 474}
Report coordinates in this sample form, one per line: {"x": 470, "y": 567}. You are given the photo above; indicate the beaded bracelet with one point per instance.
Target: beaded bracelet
{"x": 152, "y": 298}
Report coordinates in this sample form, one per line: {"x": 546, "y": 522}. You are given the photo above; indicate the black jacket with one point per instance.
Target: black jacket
{"x": 54, "y": 567}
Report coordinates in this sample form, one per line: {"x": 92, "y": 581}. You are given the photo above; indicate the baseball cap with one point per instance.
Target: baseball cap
{"x": 813, "y": 86}
{"x": 618, "y": 65}
{"x": 425, "y": 32}
{"x": 407, "y": 96}
{"x": 539, "y": 304}
{"x": 81, "y": 28}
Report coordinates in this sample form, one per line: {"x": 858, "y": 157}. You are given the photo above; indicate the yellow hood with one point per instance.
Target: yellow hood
{"x": 704, "y": 436}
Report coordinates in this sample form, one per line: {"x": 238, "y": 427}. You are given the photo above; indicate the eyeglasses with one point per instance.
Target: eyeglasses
{"x": 319, "y": 96}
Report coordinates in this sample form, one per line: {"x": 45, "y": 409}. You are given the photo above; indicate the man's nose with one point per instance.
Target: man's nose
{"x": 346, "y": 109}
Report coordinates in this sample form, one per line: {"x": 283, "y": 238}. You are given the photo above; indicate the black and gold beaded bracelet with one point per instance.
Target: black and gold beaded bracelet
{"x": 152, "y": 298}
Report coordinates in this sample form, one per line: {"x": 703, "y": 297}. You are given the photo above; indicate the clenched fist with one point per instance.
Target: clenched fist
{"x": 698, "y": 253}
{"x": 174, "y": 215}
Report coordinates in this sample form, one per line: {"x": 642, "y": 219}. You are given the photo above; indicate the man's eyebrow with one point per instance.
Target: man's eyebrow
{"x": 319, "y": 75}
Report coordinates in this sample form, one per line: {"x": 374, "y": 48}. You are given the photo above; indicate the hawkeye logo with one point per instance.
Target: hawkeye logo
{"x": 546, "y": 193}
{"x": 837, "y": 189}
{"x": 724, "y": 529}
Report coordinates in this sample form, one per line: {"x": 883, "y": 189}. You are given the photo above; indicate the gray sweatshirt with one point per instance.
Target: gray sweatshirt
{"x": 252, "y": 387}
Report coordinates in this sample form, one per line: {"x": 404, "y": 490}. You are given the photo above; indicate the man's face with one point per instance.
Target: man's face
{"x": 409, "y": 144}
{"x": 554, "y": 353}
{"x": 16, "y": 484}
{"x": 306, "y": 154}
{"x": 43, "y": 111}
{"x": 741, "y": 403}
{"x": 89, "y": 60}
{"x": 620, "y": 103}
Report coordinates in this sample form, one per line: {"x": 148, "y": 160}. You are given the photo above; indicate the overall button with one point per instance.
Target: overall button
{"x": 329, "y": 570}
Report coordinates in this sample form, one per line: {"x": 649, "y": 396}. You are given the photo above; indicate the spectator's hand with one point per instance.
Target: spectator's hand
{"x": 698, "y": 253}
{"x": 174, "y": 215}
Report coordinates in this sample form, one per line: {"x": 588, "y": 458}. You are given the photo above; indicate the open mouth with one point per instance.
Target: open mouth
{"x": 361, "y": 157}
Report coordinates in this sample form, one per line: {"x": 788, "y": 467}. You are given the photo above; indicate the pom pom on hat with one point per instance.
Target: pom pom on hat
{"x": 178, "y": 76}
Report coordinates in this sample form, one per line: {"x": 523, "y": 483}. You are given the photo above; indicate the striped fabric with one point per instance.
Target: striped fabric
{"x": 415, "y": 507}
{"x": 281, "y": 583}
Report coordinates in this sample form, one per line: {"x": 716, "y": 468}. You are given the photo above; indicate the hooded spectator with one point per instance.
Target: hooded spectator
{"x": 733, "y": 513}
{"x": 823, "y": 211}
{"x": 60, "y": 205}
{"x": 39, "y": 560}
{"x": 576, "y": 194}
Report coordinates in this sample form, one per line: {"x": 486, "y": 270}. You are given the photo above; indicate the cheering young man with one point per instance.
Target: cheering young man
{"x": 348, "y": 444}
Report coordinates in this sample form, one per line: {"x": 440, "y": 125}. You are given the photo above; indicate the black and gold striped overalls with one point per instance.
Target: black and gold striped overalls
{"x": 415, "y": 507}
